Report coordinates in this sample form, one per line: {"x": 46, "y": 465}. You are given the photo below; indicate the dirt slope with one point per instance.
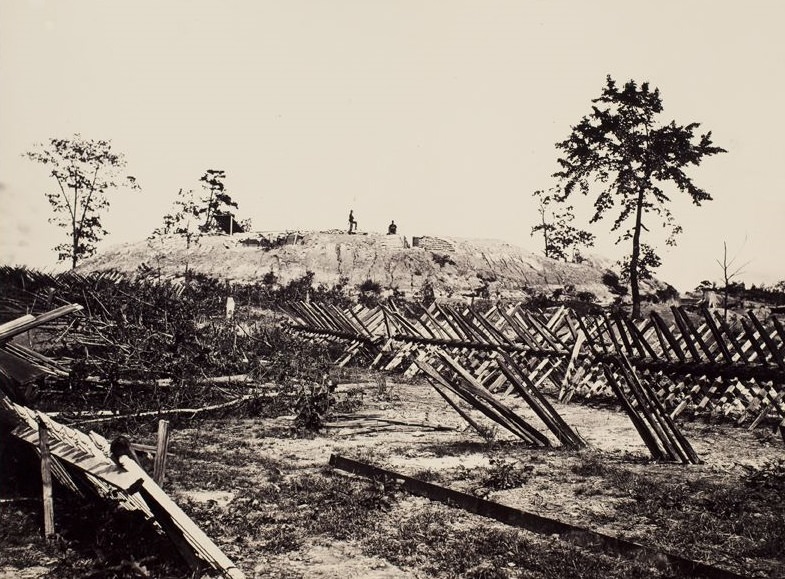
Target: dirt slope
{"x": 454, "y": 266}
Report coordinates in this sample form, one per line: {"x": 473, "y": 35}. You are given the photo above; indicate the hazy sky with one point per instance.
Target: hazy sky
{"x": 439, "y": 114}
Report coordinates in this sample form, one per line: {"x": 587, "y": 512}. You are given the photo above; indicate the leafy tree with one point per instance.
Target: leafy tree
{"x": 648, "y": 261}
{"x": 218, "y": 201}
{"x": 183, "y": 221}
{"x": 85, "y": 170}
{"x": 556, "y": 226}
{"x": 622, "y": 149}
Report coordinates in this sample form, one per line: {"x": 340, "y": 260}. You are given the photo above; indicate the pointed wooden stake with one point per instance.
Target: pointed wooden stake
{"x": 159, "y": 466}
{"x": 46, "y": 479}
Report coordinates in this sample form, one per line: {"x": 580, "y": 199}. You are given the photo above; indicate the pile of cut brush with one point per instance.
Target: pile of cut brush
{"x": 150, "y": 346}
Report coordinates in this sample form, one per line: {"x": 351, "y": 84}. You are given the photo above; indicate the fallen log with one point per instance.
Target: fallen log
{"x": 175, "y": 411}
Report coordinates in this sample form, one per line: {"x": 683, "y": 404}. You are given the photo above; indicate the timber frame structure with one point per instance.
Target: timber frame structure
{"x": 655, "y": 368}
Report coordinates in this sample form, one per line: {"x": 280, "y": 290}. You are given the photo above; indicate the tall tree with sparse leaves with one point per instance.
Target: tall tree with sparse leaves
{"x": 218, "y": 201}
{"x": 624, "y": 152}
{"x": 85, "y": 170}
{"x": 558, "y": 233}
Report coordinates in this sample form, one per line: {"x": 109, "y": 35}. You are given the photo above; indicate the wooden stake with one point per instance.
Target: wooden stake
{"x": 46, "y": 478}
{"x": 159, "y": 466}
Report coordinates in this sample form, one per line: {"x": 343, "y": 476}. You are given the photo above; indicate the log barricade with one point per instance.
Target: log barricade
{"x": 698, "y": 360}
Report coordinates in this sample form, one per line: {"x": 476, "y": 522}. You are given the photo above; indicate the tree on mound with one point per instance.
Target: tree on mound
{"x": 192, "y": 216}
{"x": 85, "y": 170}
{"x": 558, "y": 232}
{"x": 184, "y": 219}
{"x": 628, "y": 155}
{"x": 218, "y": 201}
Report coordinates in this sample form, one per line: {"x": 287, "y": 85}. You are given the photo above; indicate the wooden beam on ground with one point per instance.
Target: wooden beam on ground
{"x": 667, "y": 563}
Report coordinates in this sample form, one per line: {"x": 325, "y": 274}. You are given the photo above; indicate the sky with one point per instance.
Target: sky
{"x": 439, "y": 114}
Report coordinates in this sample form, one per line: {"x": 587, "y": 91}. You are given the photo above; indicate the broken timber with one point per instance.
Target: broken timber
{"x": 90, "y": 464}
{"x": 535, "y": 523}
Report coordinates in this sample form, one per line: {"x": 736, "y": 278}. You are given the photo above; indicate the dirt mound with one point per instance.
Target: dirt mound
{"x": 454, "y": 267}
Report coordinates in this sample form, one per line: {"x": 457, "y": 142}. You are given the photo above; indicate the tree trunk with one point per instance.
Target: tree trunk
{"x": 74, "y": 234}
{"x": 635, "y": 257}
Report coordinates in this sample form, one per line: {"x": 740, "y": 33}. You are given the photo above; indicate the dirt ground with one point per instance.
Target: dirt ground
{"x": 553, "y": 490}
{"x": 219, "y": 470}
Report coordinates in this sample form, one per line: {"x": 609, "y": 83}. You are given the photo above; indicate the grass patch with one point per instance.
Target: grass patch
{"x": 731, "y": 520}
{"x": 439, "y": 542}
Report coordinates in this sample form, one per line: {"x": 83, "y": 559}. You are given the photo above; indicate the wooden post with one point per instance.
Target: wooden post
{"x": 46, "y": 479}
{"x": 159, "y": 466}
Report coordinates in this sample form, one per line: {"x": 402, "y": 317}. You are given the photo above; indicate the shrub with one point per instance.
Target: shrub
{"x": 442, "y": 259}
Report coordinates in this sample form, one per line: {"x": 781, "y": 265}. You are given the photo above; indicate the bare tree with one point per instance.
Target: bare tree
{"x": 728, "y": 273}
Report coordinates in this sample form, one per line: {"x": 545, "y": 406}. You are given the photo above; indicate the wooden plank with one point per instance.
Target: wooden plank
{"x": 776, "y": 357}
{"x": 489, "y": 413}
{"x": 664, "y": 346}
{"x": 767, "y": 404}
{"x": 457, "y": 409}
{"x": 638, "y": 422}
{"x": 547, "y": 413}
{"x": 698, "y": 338}
{"x": 646, "y": 408}
{"x": 623, "y": 334}
{"x": 741, "y": 352}
{"x": 476, "y": 394}
{"x": 159, "y": 465}
{"x": 101, "y": 468}
{"x": 640, "y": 341}
{"x": 669, "y": 337}
{"x": 28, "y": 325}
{"x": 159, "y": 502}
{"x": 717, "y": 335}
{"x": 780, "y": 332}
{"x": 8, "y": 326}
{"x": 685, "y": 334}
{"x": 750, "y": 335}
{"x": 545, "y": 332}
{"x": 46, "y": 480}
{"x": 524, "y": 336}
{"x": 670, "y": 428}
{"x": 591, "y": 339}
